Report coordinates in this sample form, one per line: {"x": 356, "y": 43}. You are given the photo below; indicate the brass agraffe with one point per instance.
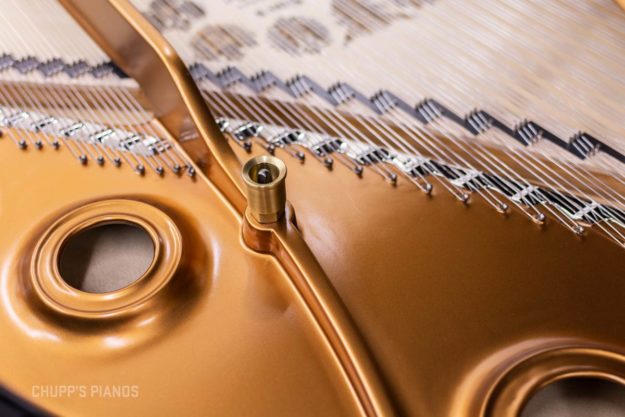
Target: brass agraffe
{"x": 264, "y": 178}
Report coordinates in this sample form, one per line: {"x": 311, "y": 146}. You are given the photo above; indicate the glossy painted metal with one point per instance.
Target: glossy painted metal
{"x": 377, "y": 300}
{"x": 467, "y": 312}
{"x": 209, "y": 320}
{"x": 136, "y": 47}
{"x": 57, "y": 295}
{"x": 283, "y": 240}
{"x": 456, "y": 320}
{"x": 115, "y": 25}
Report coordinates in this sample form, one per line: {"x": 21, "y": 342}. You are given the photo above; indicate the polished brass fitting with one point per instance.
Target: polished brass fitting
{"x": 266, "y": 191}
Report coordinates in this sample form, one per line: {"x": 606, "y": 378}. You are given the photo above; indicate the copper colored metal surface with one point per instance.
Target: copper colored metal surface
{"x": 115, "y": 25}
{"x": 463, "y": 333}
{"x": 124, "y": 34}
{"x": 283, "y": 240}
{"x": 208, "y": 321}
{"x": 466, "y": 313}
{"x": 362, "y": 299}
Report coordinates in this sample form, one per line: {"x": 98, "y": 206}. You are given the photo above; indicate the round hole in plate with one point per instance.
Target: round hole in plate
{"x": 578, "y": 397}
{"x": 106, "y": 257}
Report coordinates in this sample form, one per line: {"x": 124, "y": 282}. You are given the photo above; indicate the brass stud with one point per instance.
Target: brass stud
{"x": 266, "y": 191}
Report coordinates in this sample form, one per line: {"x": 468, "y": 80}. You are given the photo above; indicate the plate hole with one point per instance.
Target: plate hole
{"x": 106, "y": 257}
{"x": 578, "y": 397}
